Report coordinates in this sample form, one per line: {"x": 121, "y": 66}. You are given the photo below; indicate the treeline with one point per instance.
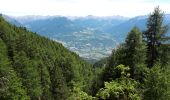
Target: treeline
{"x": 33, "y": 67}
{"x": 139, "y": 68}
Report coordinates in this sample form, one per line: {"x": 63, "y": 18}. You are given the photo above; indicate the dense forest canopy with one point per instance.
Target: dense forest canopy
{"x": 33, "y": 67}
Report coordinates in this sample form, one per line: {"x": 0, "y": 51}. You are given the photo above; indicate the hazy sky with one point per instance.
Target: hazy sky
{"x": 128, "y": 8}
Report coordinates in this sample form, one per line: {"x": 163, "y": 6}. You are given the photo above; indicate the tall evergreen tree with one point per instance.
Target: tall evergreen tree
{"x": 132, "y": 53}
{"x": 135, "y": 54}
{"x": 155, "y": 36}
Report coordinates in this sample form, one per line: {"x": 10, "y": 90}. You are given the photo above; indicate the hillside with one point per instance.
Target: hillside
{"x": 34, "y": 67}
{"x": 83, "y": 35}
{"x": 91, "y": 37}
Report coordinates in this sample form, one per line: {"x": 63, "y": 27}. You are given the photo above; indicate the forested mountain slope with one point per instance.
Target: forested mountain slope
{"x": 34, "y": 67}
{"x": 92, "y": 37}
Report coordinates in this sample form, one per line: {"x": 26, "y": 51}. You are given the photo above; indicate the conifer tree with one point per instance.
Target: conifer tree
{"x": 131, "y": 53}
{"x": 135, "y": 54}
{"x": 155, "y": 37}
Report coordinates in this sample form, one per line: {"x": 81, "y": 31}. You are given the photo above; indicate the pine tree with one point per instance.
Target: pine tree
{"x": 135, "y": 54}
{"x": 132, "y": 53}
{"x": 155, "y": 37}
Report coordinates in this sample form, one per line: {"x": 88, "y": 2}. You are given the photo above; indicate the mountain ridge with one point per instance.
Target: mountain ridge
{"x": 87, "y": 36}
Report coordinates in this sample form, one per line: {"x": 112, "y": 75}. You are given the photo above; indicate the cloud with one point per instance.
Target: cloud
{"x": 127, "y": 8}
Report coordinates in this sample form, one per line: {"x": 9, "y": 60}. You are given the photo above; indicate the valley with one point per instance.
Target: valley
{"x": 85, "y": 58}
{"x": 91, "y": 37}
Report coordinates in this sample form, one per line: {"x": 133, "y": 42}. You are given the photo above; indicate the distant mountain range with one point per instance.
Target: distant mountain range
{"x": 91, "y": 36}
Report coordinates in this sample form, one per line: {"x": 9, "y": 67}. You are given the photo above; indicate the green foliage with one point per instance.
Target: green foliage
{"x": 59, "y": 87}
{"x": 158, "y": 50}
{"x": 166, "y": 79}
{"x": 154, "y": 82}
{"x": 102, "y": 63}
{"x": 155, "y": 37}
{"x": 43, "y": 68}
{"x": 131, "y": 53}
{"x": 28, "y": 71}
{"x": 34, "y": 67}
{"x": 78, "y": 94}
{"x": 123, "y": 88}
{"x": 157, "y": 84}
{"x": 10, "y": 85}
{"x": 97, "y": 81}
{"x": 115, "y": 59}
{"x": 44, "y": 80}
{"x": 135, "y": 54}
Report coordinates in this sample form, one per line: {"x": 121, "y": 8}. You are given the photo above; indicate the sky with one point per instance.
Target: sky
{"x": 126, "y": 8}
